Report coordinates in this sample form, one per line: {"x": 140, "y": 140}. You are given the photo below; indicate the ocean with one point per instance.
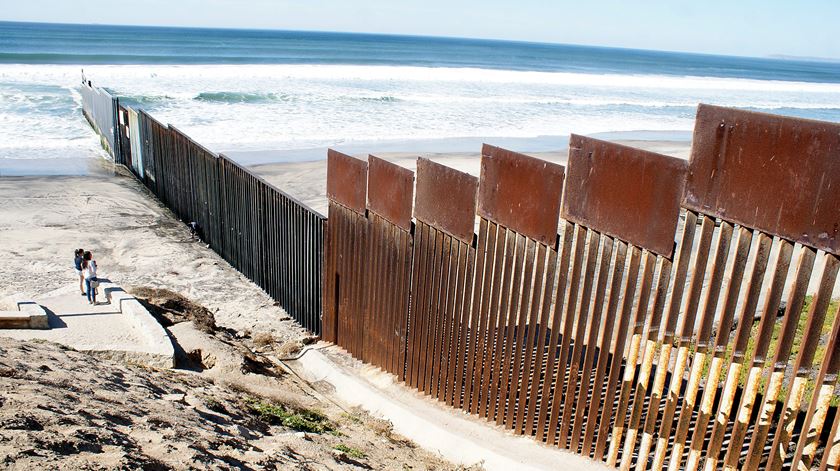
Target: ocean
{"x": 253, "y": 90}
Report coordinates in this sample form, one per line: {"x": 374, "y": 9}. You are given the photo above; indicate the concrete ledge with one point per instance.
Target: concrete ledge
{"x": 459, "y": 437}
{"x": 161, "y": 353}
{"x": 30, "y": 315}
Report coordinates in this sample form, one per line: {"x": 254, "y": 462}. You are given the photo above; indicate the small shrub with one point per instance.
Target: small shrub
{"x": 350, "y": 451}
{"x": 289, "y": 348}
{"x": 352, "y": 418}
{"x": 381, "y": 427}
{"x": 263, "y": 339}
{"x": 301, "y": 420}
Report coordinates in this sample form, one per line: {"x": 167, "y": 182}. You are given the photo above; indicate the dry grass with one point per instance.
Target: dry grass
{"x": 263, "y": 339}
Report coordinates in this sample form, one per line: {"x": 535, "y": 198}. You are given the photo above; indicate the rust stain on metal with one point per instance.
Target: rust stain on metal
{"x": 520, "y": 192}
{"x": 346, "y": 180}
{"x": 390, "y": 191}
{"x": 773, "y": 173}
{"x": 446, "y": 199}
{"x": 624, "y": 192}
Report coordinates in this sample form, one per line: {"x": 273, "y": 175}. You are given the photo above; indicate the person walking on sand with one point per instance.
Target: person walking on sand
{"x": 89, "y": 272}
{"x": 77, "y": 265}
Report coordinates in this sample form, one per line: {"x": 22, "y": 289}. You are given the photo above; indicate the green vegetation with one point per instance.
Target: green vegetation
{"x": 302, "y": 420}
{"x": 802, "y": 322}
{"x": 350, "y": 451}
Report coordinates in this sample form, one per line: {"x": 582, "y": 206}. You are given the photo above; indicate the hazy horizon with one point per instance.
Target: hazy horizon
{"x": 744, "y": 29}
{"x": 467, "y": 38}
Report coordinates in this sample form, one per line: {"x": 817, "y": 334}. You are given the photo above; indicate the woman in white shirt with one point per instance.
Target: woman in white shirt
{"x": 89, "y": 272}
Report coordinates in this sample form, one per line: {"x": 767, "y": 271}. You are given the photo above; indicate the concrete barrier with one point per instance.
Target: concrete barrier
{"x": 460, "y": 438}
{"x": 160, "y": 352}
{"x": 30, "y": 315}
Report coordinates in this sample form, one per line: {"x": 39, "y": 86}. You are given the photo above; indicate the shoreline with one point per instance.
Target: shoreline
{"x": 540, "y": 146}
{"x": 95, "y": 165}
{"x": 446, "y": 145}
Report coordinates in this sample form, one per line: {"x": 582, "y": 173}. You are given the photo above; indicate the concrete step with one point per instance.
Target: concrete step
{"x": 30, "y": 315}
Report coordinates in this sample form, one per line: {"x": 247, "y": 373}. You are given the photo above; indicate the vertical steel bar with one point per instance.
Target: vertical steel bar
{"x": 793, "y": 309}
{"x": 570, "y": 306}
{"x": 704, "y": 329}
{"x": 443, "y": 322}
{"x": 482, "y": 275}
{"x": 831, "y": 456}
{"x": 804, "y": 360}
{"x": 511, "y": 379}
{"x": 593, "y": 330}
{"x": 418, "y": 314}
{"x": 688, "y": 315}
{"x": 598, "y": 384}
{"x": 452, "y": 356}
{"x": 499, "y": 319}
{"x": 595, "y": 242}
{"x": 501, "y": 274}
{"x": 524, "y": 373}
{"x": 569, "y": 248}
{"x": 682, "y": 260}
{"x": 742, "y": 335}
{"x": 742, "y": 247}
{"x": 769, "y": 313}
{"x": 540, "y": 331}
{"x": 460, "y": 391}
{"x": 820, "y": 402}
{"x": 619, "y": 353}
{"x": 507, "y": 312}
{"x": 495, "y": 244}
{"x": 432, "y": 304}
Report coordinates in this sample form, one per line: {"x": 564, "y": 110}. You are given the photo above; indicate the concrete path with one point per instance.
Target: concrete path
{"x": 103, "y": 327}
{"x": 457, "y": 436}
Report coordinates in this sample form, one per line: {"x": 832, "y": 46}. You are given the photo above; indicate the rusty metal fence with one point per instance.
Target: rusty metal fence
{"x": 270, "y": 237}
{"x": 267, "y": 235}
{"x": 631, "y": 307}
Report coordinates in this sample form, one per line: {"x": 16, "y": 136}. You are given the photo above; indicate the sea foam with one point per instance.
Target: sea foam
{"x": 258, "y": 107}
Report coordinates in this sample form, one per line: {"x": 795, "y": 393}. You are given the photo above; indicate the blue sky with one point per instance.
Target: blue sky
{"x": 750, "y": 27}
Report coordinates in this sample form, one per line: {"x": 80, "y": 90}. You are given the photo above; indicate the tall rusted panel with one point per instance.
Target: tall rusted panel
{"x": 624, "y": 192}
{"x": 772, "y": 173}
{"x": 446, "y": 199}
{"x": 605, "y": 257}
{"x": 346, "y": 247}
{"x": 519, "y": 204}
{"x": 520, "y": 192}
{"x": 439, "y": 327}
{"x": 388, "y": 270}
{"x": 347, "y": 181}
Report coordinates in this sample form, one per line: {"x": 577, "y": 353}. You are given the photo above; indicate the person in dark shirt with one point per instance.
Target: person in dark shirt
{"x": 77, "y": 264}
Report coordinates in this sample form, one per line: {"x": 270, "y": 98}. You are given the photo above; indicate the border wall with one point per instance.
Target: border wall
{"x": 270, "y": 237}
{"x": 630, "y": 307}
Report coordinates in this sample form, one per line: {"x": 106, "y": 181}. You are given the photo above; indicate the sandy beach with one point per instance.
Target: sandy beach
{"x": 135, "y": 240}
{"x": 139, "y": 245}
{"x": 214, "y": 411}
{"x": 575, "y": 334}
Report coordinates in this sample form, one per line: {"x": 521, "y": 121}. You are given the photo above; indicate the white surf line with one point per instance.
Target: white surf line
{"x": 455, "y": 435}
